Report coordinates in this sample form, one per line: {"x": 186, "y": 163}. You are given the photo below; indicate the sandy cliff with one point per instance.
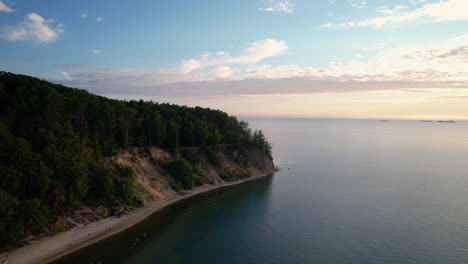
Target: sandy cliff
{"x": 222, "y": 166}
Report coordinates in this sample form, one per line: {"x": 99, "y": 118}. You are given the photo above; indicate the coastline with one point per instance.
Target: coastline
{"x": 54, "y": 247}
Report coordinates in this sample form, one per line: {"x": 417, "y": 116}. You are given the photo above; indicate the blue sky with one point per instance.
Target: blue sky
{"x": 235, "y": 55}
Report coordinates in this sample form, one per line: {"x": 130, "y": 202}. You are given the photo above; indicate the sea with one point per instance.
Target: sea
{"x": 349, "y": 191}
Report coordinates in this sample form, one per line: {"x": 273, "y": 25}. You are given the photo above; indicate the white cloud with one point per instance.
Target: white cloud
{"x": 223, "y": 72}
{"x": 417, "y": 2}
{"x": 99, "y": 19}
{"x": 84, "y": 16}
{"x": 446, "y": 62}
{"x": 96, "y": 51}
{"x": 60, "y": 27}
{"x": 255, "y": 52}
{"x": 425, "y": 63}
{"x": 358, "y": 3}
{"x": 34, "y": 28}
{"x": 391, "y": 11}
{"x": 277, "y": 6}
{"x": 413, "y": 67}
{"x": 5, "y": 8}
{"x": 448, "y": 10}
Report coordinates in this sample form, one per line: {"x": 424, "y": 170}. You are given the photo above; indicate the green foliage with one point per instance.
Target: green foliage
{"x": 203, "y": 177}
{"x": 260, "y": 141}
{"x": 173, "y": 137}
{"x": 30, "y": 105}
{"x": 229, "y": 174}
{"x": 102, "y": 184}
{"x": 185, "y": 176}
{"x": 215, "y": 138}
{"x": 126, "y": 183}
{"x": 10, "y": 226}
{"x": 53, "y": 141}
{"x": 34, "y": 214}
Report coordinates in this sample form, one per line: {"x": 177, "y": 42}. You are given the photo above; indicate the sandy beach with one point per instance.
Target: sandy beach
{"x": 52, "y": 248}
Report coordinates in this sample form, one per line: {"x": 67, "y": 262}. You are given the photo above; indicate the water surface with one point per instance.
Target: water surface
{"x": 350, "y": 191}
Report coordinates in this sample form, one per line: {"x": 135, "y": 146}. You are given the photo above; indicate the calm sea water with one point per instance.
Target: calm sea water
{"x": 350, "y": 191}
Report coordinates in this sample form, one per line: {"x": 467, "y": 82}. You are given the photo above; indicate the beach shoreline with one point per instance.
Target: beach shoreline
{"x": 54, "y": 247}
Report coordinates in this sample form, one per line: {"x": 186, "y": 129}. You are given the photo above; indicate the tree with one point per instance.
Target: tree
{"x": 184, "y": 174}
{"x": 173, "y": 135}
{"x": 127, "y": 182}
{"x": 102, "y": 186}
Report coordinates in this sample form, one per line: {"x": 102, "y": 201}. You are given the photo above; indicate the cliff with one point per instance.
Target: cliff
{"x": 156, "y": 180}
{"x": 217, "y": 164}
{"x": 222, "y": 165}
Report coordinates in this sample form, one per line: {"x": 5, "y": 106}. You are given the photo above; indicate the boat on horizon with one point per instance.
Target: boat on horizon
{"x": 445, "y": 121}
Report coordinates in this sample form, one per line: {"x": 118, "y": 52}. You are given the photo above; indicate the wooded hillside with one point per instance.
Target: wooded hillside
{"x": 53, "y": 140}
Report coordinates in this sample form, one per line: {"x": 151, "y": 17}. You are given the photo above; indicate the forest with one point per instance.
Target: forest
{"x": 54, "y": 140}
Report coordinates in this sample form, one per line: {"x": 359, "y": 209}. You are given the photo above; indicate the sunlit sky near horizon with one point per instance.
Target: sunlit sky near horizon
{"x": 403, "y": 59}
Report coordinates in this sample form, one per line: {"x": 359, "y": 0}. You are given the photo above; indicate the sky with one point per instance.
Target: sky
{"x": 402, "y": 59}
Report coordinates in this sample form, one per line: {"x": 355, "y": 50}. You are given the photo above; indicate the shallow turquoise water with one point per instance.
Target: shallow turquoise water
{"x": 350, "y": 191}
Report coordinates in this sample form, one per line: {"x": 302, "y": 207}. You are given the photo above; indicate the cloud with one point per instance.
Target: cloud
{"x": 417, "y": 2}
{"x": 34, "y": 28}
{"x": 5, "y": 8}
{"x": 99, "y": 19}
{"x": 96, "y": 51}
{"x": 277, "y": 6}
{"x": 446, "y": 61}
{"x": 60, "y": 27}
{"x": 391, "y": 11}
{"x": 442, "y": 62}
{"x": 448, "y": 10}
{"x": 358, "y": 4}
{"x": 454, "y": 97}
{"x": 255, "y": 52}
{"x": 84, "y": 16}
{"x": 404, "y": 68}
{"x": 136, "y": 82}
{"x": 120, "y": 80}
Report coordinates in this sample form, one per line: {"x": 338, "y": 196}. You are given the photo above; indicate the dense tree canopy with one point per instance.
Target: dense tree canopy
{"x": 53, "y": 140}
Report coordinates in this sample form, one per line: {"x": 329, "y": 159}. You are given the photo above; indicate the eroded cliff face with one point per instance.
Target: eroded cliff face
{"x": 156, "y": 182}
{"x": 218, "y": 164}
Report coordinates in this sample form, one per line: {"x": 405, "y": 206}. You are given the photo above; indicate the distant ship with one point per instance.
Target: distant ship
{"x": 425, "y": 121}
{"x": 445, "y": 121}
{"x": 384, "y": 120}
